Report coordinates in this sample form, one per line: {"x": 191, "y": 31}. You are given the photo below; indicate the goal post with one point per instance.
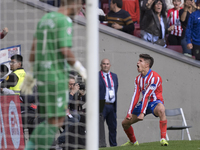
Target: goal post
{"x": 92, "y": 47}
{"x": 21, "y": 18}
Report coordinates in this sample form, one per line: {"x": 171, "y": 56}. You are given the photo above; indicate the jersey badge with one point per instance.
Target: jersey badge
{"x": 69, "y": 31}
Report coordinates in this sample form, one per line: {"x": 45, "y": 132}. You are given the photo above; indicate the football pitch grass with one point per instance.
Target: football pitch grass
{"x": 173, "y": 145}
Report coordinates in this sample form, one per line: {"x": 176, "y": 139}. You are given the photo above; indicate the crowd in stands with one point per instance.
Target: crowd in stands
{"x": 162, "y": 22}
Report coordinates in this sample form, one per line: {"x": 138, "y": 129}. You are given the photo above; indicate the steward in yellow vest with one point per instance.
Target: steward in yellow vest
{"x": 20, "y": 73}
{"x": 14, "y": 80}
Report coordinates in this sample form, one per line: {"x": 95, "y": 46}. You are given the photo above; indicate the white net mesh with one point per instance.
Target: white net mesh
{"x": 20, "y": 116}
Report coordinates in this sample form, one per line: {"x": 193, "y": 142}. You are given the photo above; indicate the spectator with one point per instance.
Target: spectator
{"x": 174, "y": 37}
{"x": 154, "y": 21}
{"x": 3, "y": 33}
{"x": 75, "y": 115}
{"x": 184, "y": 16}
{"x": 14, "y": 80}
{"x": 3, "y": 74}
{"x": 193, "y": 32}
{"x": 132, "y": 6}
{"x": 108, "y": 86}
{"x": 149, "y": 84}
{"x": 118, "y": 18}
{"x": 170, "y": 5}
{"x": 76, "y": 94}
{"x": 53, "y": 39}
{"x": 76, "y": 100}
{"x": 83, "y": 10}
{"x": 3, "y": 71}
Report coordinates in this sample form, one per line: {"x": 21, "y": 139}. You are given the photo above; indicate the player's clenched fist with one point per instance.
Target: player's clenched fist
{"x": 129, "y": 116}
{"x": 5, "y": 30}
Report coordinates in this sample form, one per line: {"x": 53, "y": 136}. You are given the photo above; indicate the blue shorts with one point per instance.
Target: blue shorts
{"x": 150, "y": 108}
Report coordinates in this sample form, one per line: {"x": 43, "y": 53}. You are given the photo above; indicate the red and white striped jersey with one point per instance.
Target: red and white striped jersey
{"x": 175, "y": 21}
{"x": 151, "y": 88}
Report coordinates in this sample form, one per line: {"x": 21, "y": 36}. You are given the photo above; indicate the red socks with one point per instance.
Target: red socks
{"x": 130, "y": 133}
{"x": 163, "y": 128}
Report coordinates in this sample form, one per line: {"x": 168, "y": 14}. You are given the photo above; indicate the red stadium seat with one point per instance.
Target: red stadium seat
{"x": 177, "y": 48}
{"x": 105, "y": 6}
{"x": 137, "y": 26}
{"x": 137, "y": 30}
{"x": 137, "y": 33}
{"x": 104, "y": 23}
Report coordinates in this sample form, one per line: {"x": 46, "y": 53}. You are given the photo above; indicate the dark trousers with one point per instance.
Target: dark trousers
{"x": 110, "y": 116}
{"x": 196, "y": 51}
{"x": 174, "y": 40}
{"x": 102, "y": 139}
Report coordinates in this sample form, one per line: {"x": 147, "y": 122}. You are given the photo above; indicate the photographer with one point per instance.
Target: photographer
{"x": 75, "y": 115}
{"x": 76, "y": 94}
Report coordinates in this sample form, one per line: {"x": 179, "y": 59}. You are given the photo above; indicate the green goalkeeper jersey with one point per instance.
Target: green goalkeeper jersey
{"x": 54, "y": 31}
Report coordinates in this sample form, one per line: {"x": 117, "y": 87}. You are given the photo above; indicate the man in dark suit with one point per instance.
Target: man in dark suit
{"x": 108, "y": 86}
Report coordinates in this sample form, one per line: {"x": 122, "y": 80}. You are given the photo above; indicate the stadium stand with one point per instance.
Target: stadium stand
{"x": 176, "y": 48}
{"x": 105, "y": 6}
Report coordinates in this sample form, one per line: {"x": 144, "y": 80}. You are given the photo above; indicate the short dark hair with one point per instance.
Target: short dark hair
{"x": 148, "y": 58}
{"x": 19, "y": 58}
{"x": 118, "y": 2}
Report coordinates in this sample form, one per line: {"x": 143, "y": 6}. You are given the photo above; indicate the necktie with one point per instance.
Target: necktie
{"x": 108, "y": 81}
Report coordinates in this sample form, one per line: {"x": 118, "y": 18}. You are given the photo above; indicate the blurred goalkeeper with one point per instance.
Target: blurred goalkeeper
{"x": 149, "y": 83}
{"x": 51, "y": 51}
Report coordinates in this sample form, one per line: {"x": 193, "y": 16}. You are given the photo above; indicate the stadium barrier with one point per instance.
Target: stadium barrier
{"x": 11, "y": 130}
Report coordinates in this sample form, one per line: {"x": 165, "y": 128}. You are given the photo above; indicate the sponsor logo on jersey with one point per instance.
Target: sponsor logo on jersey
{"x": 152, "y": 87}
{"x": 59, "y": 102}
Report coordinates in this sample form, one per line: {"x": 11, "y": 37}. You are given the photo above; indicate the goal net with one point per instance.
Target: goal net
{"x": 53, "y": 115}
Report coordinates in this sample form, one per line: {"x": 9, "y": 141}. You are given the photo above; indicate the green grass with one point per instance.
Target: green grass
{"x": 173, "y": 145}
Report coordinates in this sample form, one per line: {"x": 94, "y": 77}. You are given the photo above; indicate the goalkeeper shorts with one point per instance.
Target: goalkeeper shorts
{"x": 53, "y": 99}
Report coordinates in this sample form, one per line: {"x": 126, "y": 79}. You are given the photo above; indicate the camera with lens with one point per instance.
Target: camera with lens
{"x": 80, "y": 83}
{"x": 82, "y": 86}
